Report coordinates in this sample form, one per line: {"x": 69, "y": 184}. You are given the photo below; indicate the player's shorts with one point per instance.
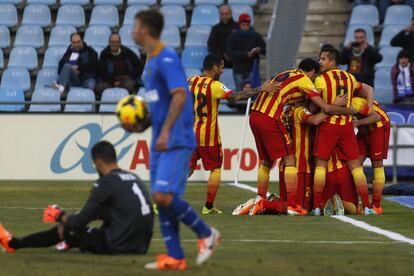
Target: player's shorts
{"x": 272, "y": 139}
{"x": 212, "y": 157}
{"x": 169, "y": 170}
{"x": 341, "y": 182}
{"x": 374, "y": 143}
{"x": 304, "y": 190}
{"x": 341, "y": 137}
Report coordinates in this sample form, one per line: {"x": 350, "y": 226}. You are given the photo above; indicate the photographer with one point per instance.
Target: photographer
{"x": 360, "y": 58}
{"x": 405, "y": 39}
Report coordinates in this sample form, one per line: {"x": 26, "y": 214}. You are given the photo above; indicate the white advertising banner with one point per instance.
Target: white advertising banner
{"x": 57, "y": 147}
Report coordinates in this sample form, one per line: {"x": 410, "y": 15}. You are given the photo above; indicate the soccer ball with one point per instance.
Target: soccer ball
{"x": 131, "y": 111}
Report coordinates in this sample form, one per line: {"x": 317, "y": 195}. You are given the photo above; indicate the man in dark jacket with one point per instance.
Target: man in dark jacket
{"x": 118, "y": 66}
{"x": 360, "y": 57}
{"x": 78, "y": 65}
{"x": 217, "y": 41}
{"x": 405, "y": 39}
{"x": 402, "y": 78}
{"x": 243, "y": 47}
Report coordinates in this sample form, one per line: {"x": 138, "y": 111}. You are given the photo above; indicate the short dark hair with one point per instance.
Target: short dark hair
{"x": 309, "y": 64}
{"x": 403, "y": 54}
{"x": 73, "y": 34}
{"x": 333, "y": 54}
{"x": 326, "y": 46}
{"x": 105, "y": 151}
{"x": 211, "y": 60}
{"x": 153, "y": 20}
{"x": 360, "y": 30}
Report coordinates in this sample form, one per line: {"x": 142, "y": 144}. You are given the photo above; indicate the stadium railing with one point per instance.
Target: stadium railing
{"x": 395, "y": 148}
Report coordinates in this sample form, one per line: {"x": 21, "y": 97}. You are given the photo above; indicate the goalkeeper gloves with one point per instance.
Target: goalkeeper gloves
{"x": 52, "y": 214}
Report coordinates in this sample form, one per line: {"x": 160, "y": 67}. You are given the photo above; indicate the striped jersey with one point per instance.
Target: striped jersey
{"x": 333, "y": 83}
{"x": 207, "y": 94}
{"x": 360, "y": 106}
{"x": 295, "y": 85}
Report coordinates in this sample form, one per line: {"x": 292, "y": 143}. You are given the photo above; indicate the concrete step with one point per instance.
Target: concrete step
{"x": 329, "y": 6}
{"x": 311, "y": 44}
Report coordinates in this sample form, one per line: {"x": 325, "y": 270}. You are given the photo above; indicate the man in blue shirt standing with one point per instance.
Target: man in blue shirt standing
{"x": 173, "y": 141}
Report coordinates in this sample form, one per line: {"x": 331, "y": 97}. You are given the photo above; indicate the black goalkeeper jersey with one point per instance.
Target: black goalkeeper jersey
{"x": 122, "y": 202}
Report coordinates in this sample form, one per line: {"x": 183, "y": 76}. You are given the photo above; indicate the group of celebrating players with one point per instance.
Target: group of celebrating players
{"x": 306, "y": 116}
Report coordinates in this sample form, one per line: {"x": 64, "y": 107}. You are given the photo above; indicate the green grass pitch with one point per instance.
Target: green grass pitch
{"x": 261, "y": 245}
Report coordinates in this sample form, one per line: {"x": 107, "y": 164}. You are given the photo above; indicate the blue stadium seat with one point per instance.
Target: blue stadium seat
{"x": 410, "y": 120}
{"x": 74, "y": 2}
{"x": 171, "y": 36}
{"x": 383, "y": 78}
{"x": 71, "y": 15}
{"x": 4, "y": 37}
{"x": 126, "y": 38}
{"x": 141, "y": 2}
{"x": 14, "y": 2}
{"x": 11, "y": 95}
{"x": 1, "y": 59}
{"x": 17, "y": 78}
{"x": 130, "y": 13}
{"x": 8, "y": 15}
{"x": 205, "y": 15}
{"x": 189, "y": 72}
{"x": 239, "y": 9}
{"x": 243, "y": 2}
{"x": 227, "y": 79}
{"x": 45, "y": 77}
{"x": 112, "y": 95}
{"x": 175, "y": 2}
{"x": 28, "y": 35}
{"x": 45, "y": 95}
{"x": 135, "y": 49}
{"x": 208, "y": 2}
{"x": 364, "y": 15}
{"x": 396, "y": 118}
{"x": 174, "y": 15}
{"x": 398, "y": 15}
{"x": 60, "y": 35}
{"x": 105, "y": 15}
{"x": 192, "y": 57}
{"x": 383, "y": 95}
{"x": 389, "y": 57}
{"x": 388, "y": 33}
{"x": 97, "y": 36}
{"x": 23, "y": 57}
{"x": 107, "y": 2}
{"x": 98, "y": 50}
{"x": 52, "y": 57}
{"x": 38, "y": 15}
{"x": 43, "y": 2}
{"x": 197, "y": 35}
{"x": 79, "y": 95}
{"x": 350, "y": 33}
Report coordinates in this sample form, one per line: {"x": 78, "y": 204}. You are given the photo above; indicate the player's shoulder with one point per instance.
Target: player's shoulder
{"x": 167, "y": 55}
{"x": 118, "y": 176}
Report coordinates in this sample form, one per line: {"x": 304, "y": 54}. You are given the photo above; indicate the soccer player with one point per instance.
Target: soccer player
{"x": 172, "y": 144}
{"x": 373, "y": 139}
{"x": 207, "y": 92}
{"x": 118, "y": 197}
{"x": 272, "y": 139}
{"x": 337, "y": 132}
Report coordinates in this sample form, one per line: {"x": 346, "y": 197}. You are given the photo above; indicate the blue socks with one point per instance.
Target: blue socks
{"x": 170, "y": 231}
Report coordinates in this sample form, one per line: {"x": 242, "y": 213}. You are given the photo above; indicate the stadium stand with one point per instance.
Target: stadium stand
{"x": 197, "y": 35}
{"x": 1, "y": 59}
{"x": 79, "y": 95}
{"x": 74, "y": 2}
{"x": 171, "y": 36}
{"x": 388, "y": 33}
{"x": 105, "y": 15}
{"x": 192, "y": 72}
{"x": 243, "y": 2}
{"x": 174, "y": 15}
{"x": 97, "y": 36}
{"x": 111, "y": 95}
{"x": 107, "y": 2}
{"x": 11, "y": 95}
{"x": 30, "y": 36}
{"x": 23, "y": 57}
{"x": 192, "y": 57}
{"x": 239, "y": 9}
{"x": 205, "y": 15}
{"x": 208, "y": 2}
{"x": 175, "y": 2}
{"x": 52, "y": 57}
{"x": 45, "y": 95}
{"x": 130, "y": 13}
{"x": 44, "y": 2}
{"x": 16, "y": 78}
{"x": 389, "y": 57}
{"x": 71, "y": 15}
{"x": 45, "y": 77}
{"x": 364, "y": 15}
{"x": 8, "y": 15}
{"x": 141, "y": 2}
{"x": 60, "y": 36}
{"x": 398, "y": 15}
{"x": 125, "y": 33}
{"x": 38, "y": 15}
{"x": 350, "y": 33}
{"x": 227, "y": 79}
{"x": 4, "y": 37}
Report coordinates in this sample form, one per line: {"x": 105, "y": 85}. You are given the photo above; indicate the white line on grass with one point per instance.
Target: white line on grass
{"x": 360, "y": 224}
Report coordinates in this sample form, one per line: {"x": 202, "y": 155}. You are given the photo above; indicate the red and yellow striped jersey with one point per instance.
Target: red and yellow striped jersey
{"x": 295, "y": 85}
{"x": 207, "y": 94}
{"x": 333, "y": 83}
{"x": 301, "y": 137}
{"x": 334, "y": 163}
{"x": 360, "y": 106}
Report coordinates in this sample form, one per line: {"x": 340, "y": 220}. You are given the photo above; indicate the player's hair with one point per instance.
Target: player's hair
{"x": 73, "y": 34}
{"x": 153, "y": 20}
{"x": 105, "y": 151}
{"x": 360, "y": 30}
{"x": 211, "y": 60}
{"x": 309, "y": 64}
{"x": 333, "y": 54}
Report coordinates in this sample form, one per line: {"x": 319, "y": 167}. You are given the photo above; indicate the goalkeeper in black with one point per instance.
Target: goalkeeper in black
{"x": 118, "y": 198}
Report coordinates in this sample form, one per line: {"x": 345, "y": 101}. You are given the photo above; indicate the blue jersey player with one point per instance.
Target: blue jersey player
{"x": 173, "y": 141}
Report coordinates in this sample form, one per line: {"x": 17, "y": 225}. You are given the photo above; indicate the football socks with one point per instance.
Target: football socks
{"x": 170, "y": 231}
{"x": 378, "y": 186}
{"x": 263, "y": 180}
{"x": 212, "y": 187}
{"x": 291, "y": 181}
{"x": 318, "y": 185}
{"x": 361, "y": 185}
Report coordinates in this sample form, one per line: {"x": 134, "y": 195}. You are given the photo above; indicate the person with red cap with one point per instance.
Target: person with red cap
{"x": 243, "y": 47}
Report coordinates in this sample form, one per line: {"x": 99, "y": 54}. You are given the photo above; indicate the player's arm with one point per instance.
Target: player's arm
{"x": 366, "y": 91}
{"x": 331, "y": 109}
{"x": 368, "y": 120}
{"x": 315, "y": 119}
{"x": 267, "y": 87}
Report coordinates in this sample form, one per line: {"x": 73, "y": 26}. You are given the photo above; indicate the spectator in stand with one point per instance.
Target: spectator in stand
{"x": 243, "y": 47}
{"x": 384, "y": 4}
{"x": 77, "y": 67}
{"x": 402, "y": 78}
{"x": 118, "y": 66}
{"x": 247, "y": 85}
{"x": 217, "y": 41}
{"x": 405, "y": 39}
{"x": 360, "y": 57}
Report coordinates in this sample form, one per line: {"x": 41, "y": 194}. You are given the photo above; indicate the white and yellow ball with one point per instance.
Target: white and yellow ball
{"x": 131, "y": 111}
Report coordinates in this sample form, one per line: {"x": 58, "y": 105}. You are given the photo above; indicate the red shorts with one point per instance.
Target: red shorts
{"x": 374, "y": 144}
{"x": 330, "y": 137}
{"x": 341, "y": 182}
{"x": 212, "y": 157}
{"x": 272, "y": 139}
{"x": 304, "y": 190}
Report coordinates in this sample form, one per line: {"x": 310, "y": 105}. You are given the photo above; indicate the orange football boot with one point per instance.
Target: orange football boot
{"x": 377, "y": 210}
{"x": 165, "y": 262}
{"x": 258, "y": 206}
{"x": 5, "y": 237}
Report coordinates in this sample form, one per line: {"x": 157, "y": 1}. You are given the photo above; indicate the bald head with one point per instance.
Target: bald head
{"x": 225, "y": 14}
{"x": 114, "y": 42}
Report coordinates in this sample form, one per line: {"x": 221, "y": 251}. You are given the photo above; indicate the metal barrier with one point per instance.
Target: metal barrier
{"x": 395, "y": 148}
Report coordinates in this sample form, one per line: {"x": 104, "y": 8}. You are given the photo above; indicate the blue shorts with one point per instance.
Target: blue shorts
{"x": 169, "y": 170}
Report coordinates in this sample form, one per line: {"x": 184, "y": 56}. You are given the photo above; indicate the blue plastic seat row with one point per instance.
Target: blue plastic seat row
{"x": 368, "y": 15}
